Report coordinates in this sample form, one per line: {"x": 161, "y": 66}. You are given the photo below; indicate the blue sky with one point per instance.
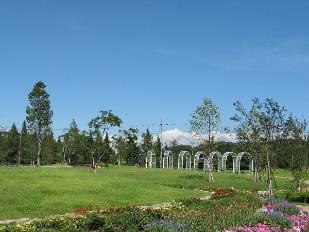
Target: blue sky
{"x": 152, "y": 60}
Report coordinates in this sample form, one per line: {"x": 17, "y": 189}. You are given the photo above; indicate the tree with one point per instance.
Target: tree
{"x": 261, "y": 128}
{"x": 49, "y": 149}
{"x": 3, "y": 148}
{"x": 205, "y": 121}
{"x": 146, "y": 144}
{"x": 132, "y": 149}
{"x": 39, "y": 115}
{"x": 23, "y": 142}
{"x": 248, "y": 132}
{"x": 157, "y": 150}
{"x": 120, "y": 146}
{"x": 107, "y": 150}
{"x": 104, "y": 121}
{"x": 272, "y": 120}
{"x": 72, "y": 150}
{"x": 13, "y": 145}
{"x": 98, "y": 126}
{"x": 295, "y": 148}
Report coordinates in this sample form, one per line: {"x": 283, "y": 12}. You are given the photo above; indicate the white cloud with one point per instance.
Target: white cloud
{"x": 188, "y": 138}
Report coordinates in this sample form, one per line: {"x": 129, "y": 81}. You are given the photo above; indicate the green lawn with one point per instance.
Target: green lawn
{"x": 37, "y": 192}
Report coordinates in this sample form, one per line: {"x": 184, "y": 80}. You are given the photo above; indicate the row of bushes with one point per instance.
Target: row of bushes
{"x": 302, "y": 197}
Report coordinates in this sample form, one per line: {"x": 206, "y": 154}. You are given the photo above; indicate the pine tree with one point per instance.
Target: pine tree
{"x": 24, "y": 144}
{"x": 13, "y": 145}
{"x": 107, "y": 150}
{"x": 73, "y": 144}
{"x": 146, "y": 145}
{"x": 49, "y": 149}
{"x": 3, "y": 148}
{"x": 157, "y": 150}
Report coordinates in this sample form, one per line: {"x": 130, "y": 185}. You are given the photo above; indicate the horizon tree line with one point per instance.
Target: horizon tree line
{"x": 274, "y": 137}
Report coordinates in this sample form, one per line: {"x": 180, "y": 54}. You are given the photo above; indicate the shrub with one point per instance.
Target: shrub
{"x": 165, "y": 226}
{"x": 276, "y": 218}
{"x": 223, "y": 193}
{"x": 286, "y": 208}
{"x": 294, "y": 196}
{"x": 84, "y": 210}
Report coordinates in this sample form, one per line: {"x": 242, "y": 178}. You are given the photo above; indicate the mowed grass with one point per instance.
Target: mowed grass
{"x": 38, "y": 192}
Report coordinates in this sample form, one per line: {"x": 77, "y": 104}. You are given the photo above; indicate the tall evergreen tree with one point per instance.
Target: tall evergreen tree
{"x": 157, "y": 151}
{"x": 49, "y": 149}
{"x": 120, "y": 146}
{"x": 39, "y": 115}
{"x": 107, "y": 150}
{"x": 13, "y": 145}
{"x": 146, "y": 145}
{"x": 132, "y": 149}
{"x": 24, "y": 130}
{"x": 73, "y": 146}
{"x": 3, "y": 148}
{"x": 22, "y": 142}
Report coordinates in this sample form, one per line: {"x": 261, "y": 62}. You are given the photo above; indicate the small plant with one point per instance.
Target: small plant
{"x": 276, "y": 218}
{"x": 286, "y": 208}
{"x": 87, "y": 209}
{"x": 223, "y": 193}
{"x": 165, "y": 226}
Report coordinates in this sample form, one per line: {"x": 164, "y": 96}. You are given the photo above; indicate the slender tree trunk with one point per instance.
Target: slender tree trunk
{"x": 257, "y": 176}
{"x": 210, "y": 176}
{"x": 38, "y": 164}
{"x": 19, "y": 150}
{"x": 269, "y": 175}
{"x": 94, "y": 166}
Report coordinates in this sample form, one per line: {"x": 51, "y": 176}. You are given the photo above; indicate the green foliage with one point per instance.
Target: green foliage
{"x": 157, "y": 150}
{"x": 3, "y": 149}
{"x": 132, "y": 151}
{"x": 194, "y": 216}
{"x": 274, "y": 219}
{"x": 204, "y": 120}
{"x": 288, "y": 210}
{"x": 107, "y": 150}
{"x": 128, "y": 151}
{"x": 39, "y": 114}
{"x": 184, "y": 215}
{"x": 146, "y": 145}
{"x": 104, "y": 121}
{"x": 72, "y": 147}
{"x": 12, "y": 145}
{"x": 294, "y": 196}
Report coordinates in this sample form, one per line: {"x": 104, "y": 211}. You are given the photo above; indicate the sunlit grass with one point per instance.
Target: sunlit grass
{"x": 37, "y": 192}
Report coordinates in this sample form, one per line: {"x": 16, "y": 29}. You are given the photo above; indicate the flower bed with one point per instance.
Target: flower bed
{"x": 228, "y": 208}
{"x": 281, "y": 216}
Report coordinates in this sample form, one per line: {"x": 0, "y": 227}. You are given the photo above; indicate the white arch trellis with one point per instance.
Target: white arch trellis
{"x": 184, "y": 155}
{"x": 201, "y": 156}
{"x": 211, "y": 157}
{"x": 168, "y": 159}
{"x": 224, "y": 159}
{"x": 238, "y": 160}
{"x": 150, "y": 160}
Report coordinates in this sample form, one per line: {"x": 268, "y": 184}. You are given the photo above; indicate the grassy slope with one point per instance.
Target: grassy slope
{"x": 36, "y": 192}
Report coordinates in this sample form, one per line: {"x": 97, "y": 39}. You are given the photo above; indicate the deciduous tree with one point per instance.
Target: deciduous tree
{"x": 205, "y": 121}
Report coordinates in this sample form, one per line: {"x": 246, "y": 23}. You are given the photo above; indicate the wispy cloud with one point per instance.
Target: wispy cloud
{"x": 290, "y": 55}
